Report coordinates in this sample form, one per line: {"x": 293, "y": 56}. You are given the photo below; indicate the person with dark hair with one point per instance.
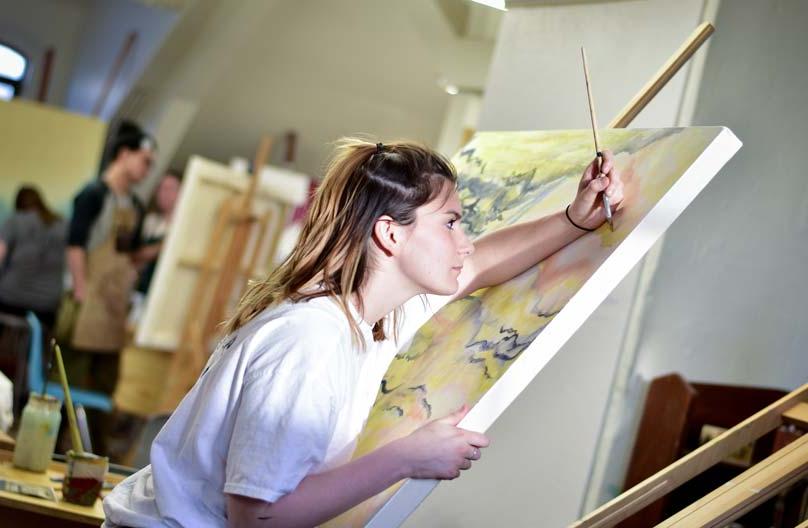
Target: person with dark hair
{"x": 32, "y": 242}
{"x": 103, "y": 236}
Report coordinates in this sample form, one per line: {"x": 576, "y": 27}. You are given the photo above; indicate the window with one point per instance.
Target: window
{"x": 12, "y": 71}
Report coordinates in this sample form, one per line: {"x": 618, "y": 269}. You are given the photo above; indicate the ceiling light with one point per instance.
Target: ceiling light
{"x": 496, "y": 4}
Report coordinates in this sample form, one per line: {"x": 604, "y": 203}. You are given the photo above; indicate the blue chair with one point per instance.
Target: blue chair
{"x": 36, "y": 379}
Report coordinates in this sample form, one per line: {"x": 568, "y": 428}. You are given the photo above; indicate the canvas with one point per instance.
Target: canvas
{"x": 206, "y": 187}
{"x": 483, "y": 350}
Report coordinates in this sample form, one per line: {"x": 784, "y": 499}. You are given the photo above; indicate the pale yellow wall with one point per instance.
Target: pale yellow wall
{"x": 57, "y": 151}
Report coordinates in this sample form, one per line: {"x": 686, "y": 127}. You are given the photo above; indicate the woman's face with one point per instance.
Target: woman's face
{"x": 436, "y": 247}
{"x": 167, "y": 193}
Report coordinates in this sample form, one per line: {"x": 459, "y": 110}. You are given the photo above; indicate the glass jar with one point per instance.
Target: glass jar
{"x": 36, "y": 437}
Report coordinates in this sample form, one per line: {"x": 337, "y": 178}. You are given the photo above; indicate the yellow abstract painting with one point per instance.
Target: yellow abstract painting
{"x": 506, "y": 178}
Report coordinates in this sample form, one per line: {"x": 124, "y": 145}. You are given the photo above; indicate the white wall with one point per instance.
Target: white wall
{"x": 324, "y": 69}
{"x": 730, "y": 291}
{"x": 167, "y": 96}
{"x": 462, "y": 114}
{"x": 725, "y": 304}
{"x": 103, "y": 34}
{"x": 33, "y": 26}
{"x": 536, "y": 472}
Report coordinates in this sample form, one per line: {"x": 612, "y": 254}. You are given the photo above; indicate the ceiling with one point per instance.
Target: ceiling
{"x": 323, "y": 68}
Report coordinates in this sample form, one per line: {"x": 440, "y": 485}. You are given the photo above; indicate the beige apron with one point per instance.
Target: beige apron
{"x": 101, "y": 321}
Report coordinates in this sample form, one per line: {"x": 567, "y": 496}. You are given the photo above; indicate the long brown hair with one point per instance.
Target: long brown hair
{"x": 363, "y": 182}
{"x": 29, "y": 199}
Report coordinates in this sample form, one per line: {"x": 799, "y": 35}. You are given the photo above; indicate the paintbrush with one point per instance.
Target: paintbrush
{"x": 607, "y": 206}
{"x": 71, "y": 412}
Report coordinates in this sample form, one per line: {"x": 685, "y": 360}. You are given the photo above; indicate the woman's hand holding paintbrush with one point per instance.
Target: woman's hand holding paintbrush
{"x": 600, "y": 180}
{"x": 600, "y": 171}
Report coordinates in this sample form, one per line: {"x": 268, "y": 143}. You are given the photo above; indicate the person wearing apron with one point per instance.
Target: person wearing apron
{"x": 103, "y": 235}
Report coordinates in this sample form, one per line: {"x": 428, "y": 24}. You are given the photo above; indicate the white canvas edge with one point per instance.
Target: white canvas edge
{"x": 594, "y": 291}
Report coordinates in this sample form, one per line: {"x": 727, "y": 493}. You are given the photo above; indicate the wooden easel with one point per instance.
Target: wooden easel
{"x": 216, "y": 282}
{"x": 743, "y": 493}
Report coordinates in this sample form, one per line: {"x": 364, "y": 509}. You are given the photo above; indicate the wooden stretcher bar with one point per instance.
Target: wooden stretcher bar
{"x": 746, "y": 491}
{"x": 792, "y": 408}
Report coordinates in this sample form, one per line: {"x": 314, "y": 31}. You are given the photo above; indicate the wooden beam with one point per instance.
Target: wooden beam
{"x": 261, "y": 159}
{"x": 128, "y": 44}
{"x": 797, "y": 415}
{"x": 693, "y": 464}
{"x": 665, "y": 74}
{"x": 746, "y": 491}
{"x": 47, "y": 69}
{"x": 291, "y": 147}
{"x": 261, "y": 231}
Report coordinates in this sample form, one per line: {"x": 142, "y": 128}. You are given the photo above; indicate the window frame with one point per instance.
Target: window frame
{"x": 15, "y": 84}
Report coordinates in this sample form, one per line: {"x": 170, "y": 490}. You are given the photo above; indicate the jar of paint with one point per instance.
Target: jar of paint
{"x": 36, "y": 438}
{"x": 84, "y": 478}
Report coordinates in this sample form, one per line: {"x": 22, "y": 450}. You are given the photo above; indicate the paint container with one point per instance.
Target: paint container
{"x": 84, "y": 477}
{"x": 37, "y": 435}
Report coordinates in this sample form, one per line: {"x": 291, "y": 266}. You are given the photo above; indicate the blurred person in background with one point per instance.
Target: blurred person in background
{"x": 103, "y": 240}
{"x": 155, "y": 228}
{"x": 32, "y": 245}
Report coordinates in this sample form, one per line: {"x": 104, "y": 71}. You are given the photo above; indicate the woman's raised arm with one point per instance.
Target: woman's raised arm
{"x": 504, "y": 254}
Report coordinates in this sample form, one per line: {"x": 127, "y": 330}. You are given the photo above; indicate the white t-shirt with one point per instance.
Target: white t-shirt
{"x": 283, "y": 397}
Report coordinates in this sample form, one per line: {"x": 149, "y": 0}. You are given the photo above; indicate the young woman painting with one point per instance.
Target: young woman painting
{"x": 265, "y": 436}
